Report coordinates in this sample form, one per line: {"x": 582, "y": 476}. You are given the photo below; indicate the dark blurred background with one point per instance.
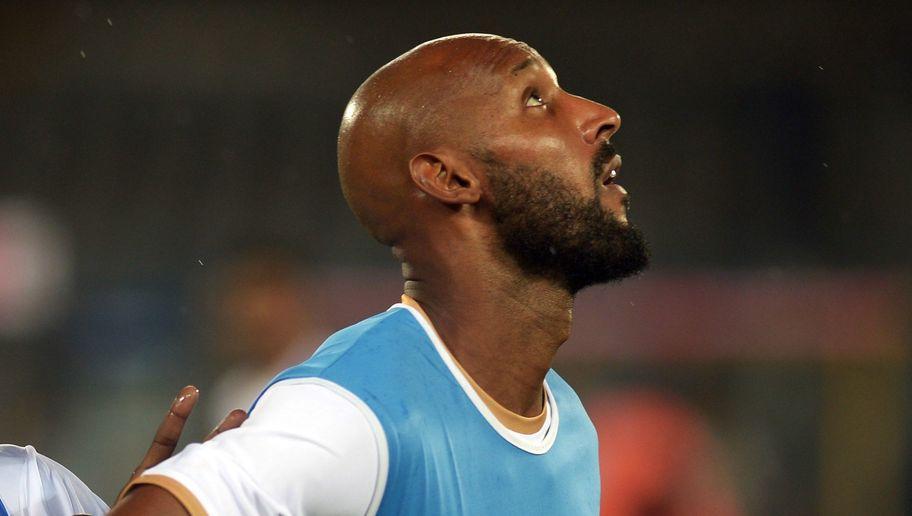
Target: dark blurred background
{"x": 149, "y": 152}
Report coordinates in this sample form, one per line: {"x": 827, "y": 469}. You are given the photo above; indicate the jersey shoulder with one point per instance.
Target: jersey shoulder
{"x": 573, "y": 416}
{"x": 380, "y": 345}
{"x": 389, "y": 334}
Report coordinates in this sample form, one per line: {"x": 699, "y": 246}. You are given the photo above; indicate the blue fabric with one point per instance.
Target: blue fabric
{"x": 444, "y": 456}
{"x": 3, "y": 511}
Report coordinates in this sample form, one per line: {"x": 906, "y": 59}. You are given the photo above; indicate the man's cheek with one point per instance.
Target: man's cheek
{"x": 536, "y": 151}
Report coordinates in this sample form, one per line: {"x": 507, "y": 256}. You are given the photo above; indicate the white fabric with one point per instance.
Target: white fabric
{"x": 240, "y": 384}
{"x": 34, "y": 485}
{"x": 310, "y": 447}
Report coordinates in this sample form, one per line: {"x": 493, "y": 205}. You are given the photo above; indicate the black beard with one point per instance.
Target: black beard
{"x": 552, "y": 233}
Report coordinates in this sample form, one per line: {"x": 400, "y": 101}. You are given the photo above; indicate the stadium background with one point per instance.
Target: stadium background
{"x": 766, "y": 147}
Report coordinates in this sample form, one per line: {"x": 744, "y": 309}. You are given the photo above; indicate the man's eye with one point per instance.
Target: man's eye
{"x": 534, "y": 100}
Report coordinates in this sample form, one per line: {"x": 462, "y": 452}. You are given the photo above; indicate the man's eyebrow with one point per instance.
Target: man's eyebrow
{"x": 524, "y": 64}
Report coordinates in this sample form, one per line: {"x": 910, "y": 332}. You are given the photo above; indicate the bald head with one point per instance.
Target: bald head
{"x": 467, "y": 150}
{"x": 418, "y": 102}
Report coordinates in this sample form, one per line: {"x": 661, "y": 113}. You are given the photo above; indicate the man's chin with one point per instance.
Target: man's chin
{"x": 629, "y": 257}
{"x": 619, "y": 216}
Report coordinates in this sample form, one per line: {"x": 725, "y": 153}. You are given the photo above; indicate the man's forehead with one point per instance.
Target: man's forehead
{"x": 487, "y": 63}
{"x": 516, "y": 56}
{"x": 529, "y": 64}
{"x": 487, "y": 51}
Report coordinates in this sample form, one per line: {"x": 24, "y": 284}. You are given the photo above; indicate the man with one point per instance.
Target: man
{"x": 264, "y": 323}
{"x": 659, "y": 457}
{"x": 32, "y": 484}
{"x": 495, "y": 189}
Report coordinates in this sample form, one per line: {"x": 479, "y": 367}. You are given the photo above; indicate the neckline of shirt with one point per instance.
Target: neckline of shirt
{"x": 512, "y": 420}
{"x": 537, "y": 443}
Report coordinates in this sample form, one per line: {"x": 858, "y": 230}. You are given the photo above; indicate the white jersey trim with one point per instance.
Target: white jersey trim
{"x": 521, "y": 441}
{"x": 376, "y": 427}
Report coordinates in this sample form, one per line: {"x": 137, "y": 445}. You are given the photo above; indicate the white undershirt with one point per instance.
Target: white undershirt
{"x": 311, "y": 447}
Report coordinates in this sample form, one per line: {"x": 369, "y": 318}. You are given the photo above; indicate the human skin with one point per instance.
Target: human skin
{"x": 501, "y": 324}
{"x": 171, "y": 427}
{"x": 410, "y": 170}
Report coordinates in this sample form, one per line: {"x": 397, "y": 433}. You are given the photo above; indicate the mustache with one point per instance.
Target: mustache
{"x": 603, "y": 155}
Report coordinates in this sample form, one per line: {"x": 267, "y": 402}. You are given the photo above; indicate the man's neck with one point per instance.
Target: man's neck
{"x": 504, "y": 329}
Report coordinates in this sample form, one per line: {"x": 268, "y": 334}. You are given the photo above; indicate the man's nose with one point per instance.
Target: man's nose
{"x": 598, "y": 122}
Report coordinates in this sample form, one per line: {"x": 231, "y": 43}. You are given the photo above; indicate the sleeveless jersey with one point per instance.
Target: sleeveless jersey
{"x": 445, "y": 456}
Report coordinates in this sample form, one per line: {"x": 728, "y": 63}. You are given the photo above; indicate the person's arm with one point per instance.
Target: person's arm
{"x": 309, "y": 447}
{"x": 152, "y": 498}
{"x": 149, "y": 499}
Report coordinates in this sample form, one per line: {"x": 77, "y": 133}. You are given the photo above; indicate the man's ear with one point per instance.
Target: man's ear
{"x": 444, "y": 178}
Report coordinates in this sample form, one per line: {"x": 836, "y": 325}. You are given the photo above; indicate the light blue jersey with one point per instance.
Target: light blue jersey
{"x": 447, "y": 454}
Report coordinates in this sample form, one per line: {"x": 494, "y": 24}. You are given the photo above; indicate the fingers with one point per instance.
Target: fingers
{"x": 169, "y": 431}
{"x": 232, "y": 420}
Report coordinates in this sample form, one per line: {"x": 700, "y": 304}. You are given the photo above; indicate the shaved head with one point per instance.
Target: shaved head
{"x": 468, "y": 143}
{"x": 418, "y": 101}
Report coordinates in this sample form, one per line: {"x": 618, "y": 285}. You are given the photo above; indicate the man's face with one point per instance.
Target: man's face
{"x": 552, "y": 174}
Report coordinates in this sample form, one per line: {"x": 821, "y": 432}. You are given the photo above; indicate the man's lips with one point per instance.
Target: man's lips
{"x": 610, "y": 170}
{"x": 609, "y": 173}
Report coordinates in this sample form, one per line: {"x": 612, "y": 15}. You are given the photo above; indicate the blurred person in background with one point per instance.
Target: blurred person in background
{"x": 263, "y": 323}
{"x": 658, "y": 458}
{"x": 36, "y": 286}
